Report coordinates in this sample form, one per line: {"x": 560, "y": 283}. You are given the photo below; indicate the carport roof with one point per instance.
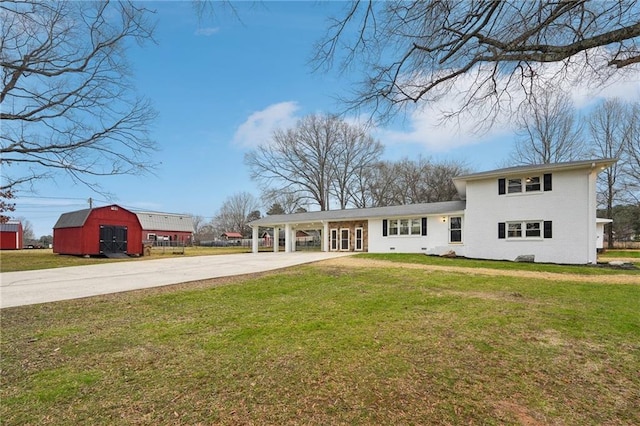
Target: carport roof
{"x": 415, "y": 210}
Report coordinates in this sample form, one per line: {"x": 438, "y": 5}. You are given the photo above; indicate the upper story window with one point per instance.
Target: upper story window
{"x": 515, "y": 185}
{"x": 532, "y": 183}
{"x": 528, "y": 184}
{"x": 518, "y": 185}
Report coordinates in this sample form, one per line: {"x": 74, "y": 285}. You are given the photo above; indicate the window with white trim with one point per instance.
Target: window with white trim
{"x": 455, "y": 229}
{"x": 524, "y": 229}
{"x": 532, "y": 184}
{"x": 527, "y": 184}
{"x": 514, "y": 185}
{"x": 359, "y": 239}
{"x": 519, "y": 185}
{"x": 405, "y": 227}
{"x": 533, "y": 229}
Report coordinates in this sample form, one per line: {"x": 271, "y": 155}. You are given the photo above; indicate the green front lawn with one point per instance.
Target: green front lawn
{"x": 321, "y": 344}
{"x": 629, "y": 254}
{"x": 498, "y": 264}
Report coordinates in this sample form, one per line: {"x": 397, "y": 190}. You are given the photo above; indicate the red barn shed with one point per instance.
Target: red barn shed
{"x": 109, "y": 230}
{"x": 11, "y": 235}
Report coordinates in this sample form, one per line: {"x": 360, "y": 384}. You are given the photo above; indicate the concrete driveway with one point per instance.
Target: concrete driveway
{"x": 50, "y": 285}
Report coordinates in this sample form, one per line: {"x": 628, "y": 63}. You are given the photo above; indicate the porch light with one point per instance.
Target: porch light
{"x": 444, "y": 219}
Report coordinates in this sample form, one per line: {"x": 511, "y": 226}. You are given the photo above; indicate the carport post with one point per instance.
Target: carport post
{"x": 287, "y": 238}
{"x": 325, "y": 236}
{"x": 254, "y": 239}
{"x": 276, "y": 239}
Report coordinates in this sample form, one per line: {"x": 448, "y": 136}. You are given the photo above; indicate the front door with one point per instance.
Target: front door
{"x": 113, "y": 239}
{"x": 344, "y": 239}
{"x": 334, "y": 239}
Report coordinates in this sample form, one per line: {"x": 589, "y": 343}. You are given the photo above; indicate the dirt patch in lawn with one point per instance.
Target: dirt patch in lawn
{"x": 356, "y": 262}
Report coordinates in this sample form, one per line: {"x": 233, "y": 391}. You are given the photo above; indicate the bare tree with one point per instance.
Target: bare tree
{"x": 28, "y": 235}
{"x": 356, "y": 153}
{"x": 199, "y": 225}
{"x": 414, "y": 181}
{"x": 381, "y": 184}
{"x": 548, "y": 131}
{"x": 315, "y": 160}
{"x": 611, "y": 127}
{"x": 633, "y": 151}
{"x": 363, "y": 193}
{"x": 439, "y": 182}
{"x": 282, "y": 202}
{"x": 68, "y": 103}
{"x": 236, "y": 212}
{"x": 420, "y": 51}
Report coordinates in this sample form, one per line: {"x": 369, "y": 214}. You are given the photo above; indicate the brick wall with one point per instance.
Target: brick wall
{"x": 352, "y": 225}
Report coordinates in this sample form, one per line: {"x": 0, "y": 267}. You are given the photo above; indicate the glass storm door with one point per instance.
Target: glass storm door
{"x": 334, "y": 239}
{"x": 344, "y": 239}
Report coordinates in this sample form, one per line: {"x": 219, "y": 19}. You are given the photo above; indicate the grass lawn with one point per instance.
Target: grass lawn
{"x": 26, "y": 260}
{"x": 325, "y": 344}
{"x": 498, "y": 264}
{"x": 630, "y": 254}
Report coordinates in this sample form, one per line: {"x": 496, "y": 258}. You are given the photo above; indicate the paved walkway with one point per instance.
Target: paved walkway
{"x": 50, "y": 285}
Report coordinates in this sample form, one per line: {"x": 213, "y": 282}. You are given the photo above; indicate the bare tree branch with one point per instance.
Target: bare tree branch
{"x": 418, "y": 51}
{"x": 67, "y": 99}
{"x": 319, "y": 160}
{"x": 612, "y": 126}
{"x": 548, "y": 131}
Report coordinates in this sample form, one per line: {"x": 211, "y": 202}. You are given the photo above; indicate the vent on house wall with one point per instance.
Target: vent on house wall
{"x": 392, "y": 248}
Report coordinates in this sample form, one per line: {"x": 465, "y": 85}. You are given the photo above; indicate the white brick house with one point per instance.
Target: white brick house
{"x": 548, "y": 211}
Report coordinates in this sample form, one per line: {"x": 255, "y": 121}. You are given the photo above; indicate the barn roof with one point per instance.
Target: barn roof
{"x": 72, "y": 219}
{"x": 155, "y": 221}
{"x": 10, "y": 226}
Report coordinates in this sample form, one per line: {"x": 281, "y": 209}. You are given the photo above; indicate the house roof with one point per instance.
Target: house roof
{"x": 232, "y": 234}
{"x": 316, "y": 218}
{"x": 460, "y": 182}
{"x": 155, "y": 221}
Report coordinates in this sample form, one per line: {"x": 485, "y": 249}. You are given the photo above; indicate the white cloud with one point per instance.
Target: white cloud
{"x": 426, "y": 126}
{"x": 259, "y": 126}
{"x": 207, "y": 31}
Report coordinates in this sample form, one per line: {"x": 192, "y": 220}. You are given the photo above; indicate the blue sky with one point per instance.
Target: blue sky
{"x": 221, "y": 85}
